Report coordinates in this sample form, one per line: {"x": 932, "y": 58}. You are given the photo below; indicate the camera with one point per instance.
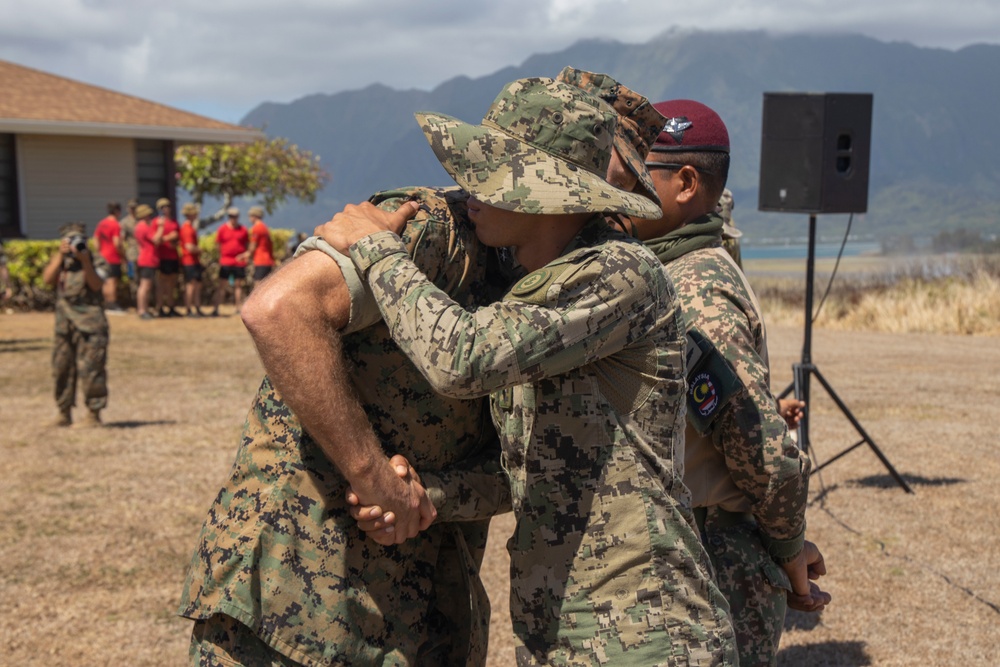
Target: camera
{"x": 78, "y": 242}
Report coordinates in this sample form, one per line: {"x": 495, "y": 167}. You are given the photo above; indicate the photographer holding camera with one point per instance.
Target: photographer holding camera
{"x": 81, "y": 340}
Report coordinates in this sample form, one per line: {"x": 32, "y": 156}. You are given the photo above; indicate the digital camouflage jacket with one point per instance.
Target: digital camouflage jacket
{"x": 584, "y": 363}
{"x": 740, "y": 457}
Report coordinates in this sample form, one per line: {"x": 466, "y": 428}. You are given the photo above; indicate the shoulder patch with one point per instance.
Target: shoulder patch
{"x": 711, "y": 381}
{"x": 531, "y": 282}
{"x": 533, "y": 287}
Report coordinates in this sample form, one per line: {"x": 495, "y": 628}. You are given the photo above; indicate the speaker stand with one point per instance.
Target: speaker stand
{"x": 803, "y": 371}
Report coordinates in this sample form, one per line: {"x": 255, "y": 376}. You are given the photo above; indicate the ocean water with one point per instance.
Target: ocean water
{"x": 800, "y": 250}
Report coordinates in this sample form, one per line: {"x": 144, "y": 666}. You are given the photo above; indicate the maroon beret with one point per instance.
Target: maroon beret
{"x": 691, "y": 126}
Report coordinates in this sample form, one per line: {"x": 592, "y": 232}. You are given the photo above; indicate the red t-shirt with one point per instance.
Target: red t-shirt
{"x": 148, "y": 258}
{"x": 106, "y": 232}
{"x": 232, "y": 242}
{"x": 262, "y": 255}
{"x": 188, "y": 234}
{"x": 167, "y": 249}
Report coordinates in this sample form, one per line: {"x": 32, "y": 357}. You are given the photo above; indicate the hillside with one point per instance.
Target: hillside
{"x": 934, "y": 141}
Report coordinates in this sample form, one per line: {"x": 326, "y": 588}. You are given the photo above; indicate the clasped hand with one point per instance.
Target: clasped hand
{"x": 802, "y": 572}
{"x": 384, "y": 525}
{"x": 357, "y": 221}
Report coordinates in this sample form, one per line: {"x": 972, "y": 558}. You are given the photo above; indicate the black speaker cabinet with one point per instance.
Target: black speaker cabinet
{"x": 814, "y": 152}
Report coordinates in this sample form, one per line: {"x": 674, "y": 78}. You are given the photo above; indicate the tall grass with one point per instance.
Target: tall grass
{"x": 954, "y": 294}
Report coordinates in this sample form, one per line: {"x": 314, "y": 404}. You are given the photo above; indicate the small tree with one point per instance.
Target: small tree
{"x": 271, "y": 170}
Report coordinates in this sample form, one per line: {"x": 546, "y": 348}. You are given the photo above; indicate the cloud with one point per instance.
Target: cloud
{"x": 224, "y": 57}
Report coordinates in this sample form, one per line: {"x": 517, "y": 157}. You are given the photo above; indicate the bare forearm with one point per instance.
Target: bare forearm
{"x": 52, "y": 270}
{"x": 294, "y": 320}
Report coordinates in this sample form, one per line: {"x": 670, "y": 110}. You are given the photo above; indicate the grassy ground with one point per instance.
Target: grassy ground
{"x": 98, "y": 525}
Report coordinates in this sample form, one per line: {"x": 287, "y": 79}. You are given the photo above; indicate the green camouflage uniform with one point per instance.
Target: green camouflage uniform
{"x": 279, "y": 551}
{"x": 730, "y": 234}
{"x": 81, "y": 341}
{"x": 583, "y": 360}
{"x": 747, "y": 478}
{"x": 129, "y": 242}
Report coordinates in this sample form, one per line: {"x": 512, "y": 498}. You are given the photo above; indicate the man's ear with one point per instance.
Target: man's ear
{"x": 690, "y": 180}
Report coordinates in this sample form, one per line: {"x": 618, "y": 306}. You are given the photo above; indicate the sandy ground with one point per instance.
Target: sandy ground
{"x": 97, "y": 525}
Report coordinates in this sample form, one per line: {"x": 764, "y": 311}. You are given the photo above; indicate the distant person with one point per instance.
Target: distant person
{"x": 147, "y": 236}
{"x": 130, "y": 245}
{"x": 232, "y": 240}
{"x": 109, "y": 245}
{"x": 293, "y": 245}
{"x": 169, "y": 259}
{"x": 191, "y": 259}
{"x": 730, "y": 234}
{"x": 81, "y": 336}
{"x": 261, "y": 249}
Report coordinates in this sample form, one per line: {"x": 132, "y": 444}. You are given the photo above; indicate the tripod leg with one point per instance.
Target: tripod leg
{"x": 857, "y": 425}
{"x": 801, "y": 382}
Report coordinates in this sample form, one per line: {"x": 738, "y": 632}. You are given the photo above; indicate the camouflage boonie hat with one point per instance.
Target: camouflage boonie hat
{"x": 639, "y": 123}
{"x": 161, "y": 202}
{"x": 190, "y": 208}
{"x": 543, "y": 147}
{"x": 143, "y": 211}
{"x": 256, "y": 212}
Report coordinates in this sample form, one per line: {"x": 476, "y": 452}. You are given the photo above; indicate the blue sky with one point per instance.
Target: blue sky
{"x": 222, "y": 58}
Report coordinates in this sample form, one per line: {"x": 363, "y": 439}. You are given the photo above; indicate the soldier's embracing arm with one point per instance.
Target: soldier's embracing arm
{"x": 295, "y": 319}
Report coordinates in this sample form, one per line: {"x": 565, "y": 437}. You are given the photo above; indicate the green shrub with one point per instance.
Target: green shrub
{"x": 26, "y": 261}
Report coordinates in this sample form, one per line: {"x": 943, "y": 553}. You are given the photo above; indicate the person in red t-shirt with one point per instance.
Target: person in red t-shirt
{"x": 191, "y": 259}
{"x": 261, "y": 248}
{"x": 147, "y": 235}
{"x": 108, "y": 235}
{"x": 233, "y": 241}
{"x": 169, "y": 260}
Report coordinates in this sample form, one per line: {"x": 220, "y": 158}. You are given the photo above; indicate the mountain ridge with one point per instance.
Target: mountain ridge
{"x": 934, "y": 141}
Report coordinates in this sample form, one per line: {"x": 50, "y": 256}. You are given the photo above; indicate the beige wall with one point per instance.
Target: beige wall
{"x": 64, "y": 179}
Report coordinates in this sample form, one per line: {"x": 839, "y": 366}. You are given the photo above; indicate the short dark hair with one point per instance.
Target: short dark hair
{"x": 712, "y": 165}
{"x": 114, "y": 207}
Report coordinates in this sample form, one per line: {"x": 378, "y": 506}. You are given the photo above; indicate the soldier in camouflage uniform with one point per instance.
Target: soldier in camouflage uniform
{"x": 81, "y": 336}
{"x": 730, "y": 234}
{"x": 748, "y": 480}
{"x": 281, "y": 574}
{"x": 130, "y": 245}
{"x": 583, "y": 362}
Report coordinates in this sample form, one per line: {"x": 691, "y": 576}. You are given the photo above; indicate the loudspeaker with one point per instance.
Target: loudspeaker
{"x": 814, "y": 152}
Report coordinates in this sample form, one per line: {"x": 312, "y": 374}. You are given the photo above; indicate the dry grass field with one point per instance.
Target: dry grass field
{"x": 97, "y": 526}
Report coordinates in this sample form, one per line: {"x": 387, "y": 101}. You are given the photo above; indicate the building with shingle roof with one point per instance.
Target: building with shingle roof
{"x": 67, "y": 148}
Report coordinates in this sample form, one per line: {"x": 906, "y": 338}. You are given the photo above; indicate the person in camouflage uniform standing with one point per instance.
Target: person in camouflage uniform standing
{"x": 749, "y": 482}
{"x": 583, "y": 361}
{"x": 130, "y": 245}
{"x": 730, "y": 234}
{"x": 81, "y": 335}
{"x": 281, "y": 575}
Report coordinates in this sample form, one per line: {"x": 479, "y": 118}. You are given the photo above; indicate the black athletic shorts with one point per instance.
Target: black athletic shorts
{"x": 237, "y": 272}
{"x": 261, "y": 272}
{"x": 169, "y": 267}
{"x": 147, "y": 272}
{"x": 114, "y": 270}
{"x": 192, "y": 272}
